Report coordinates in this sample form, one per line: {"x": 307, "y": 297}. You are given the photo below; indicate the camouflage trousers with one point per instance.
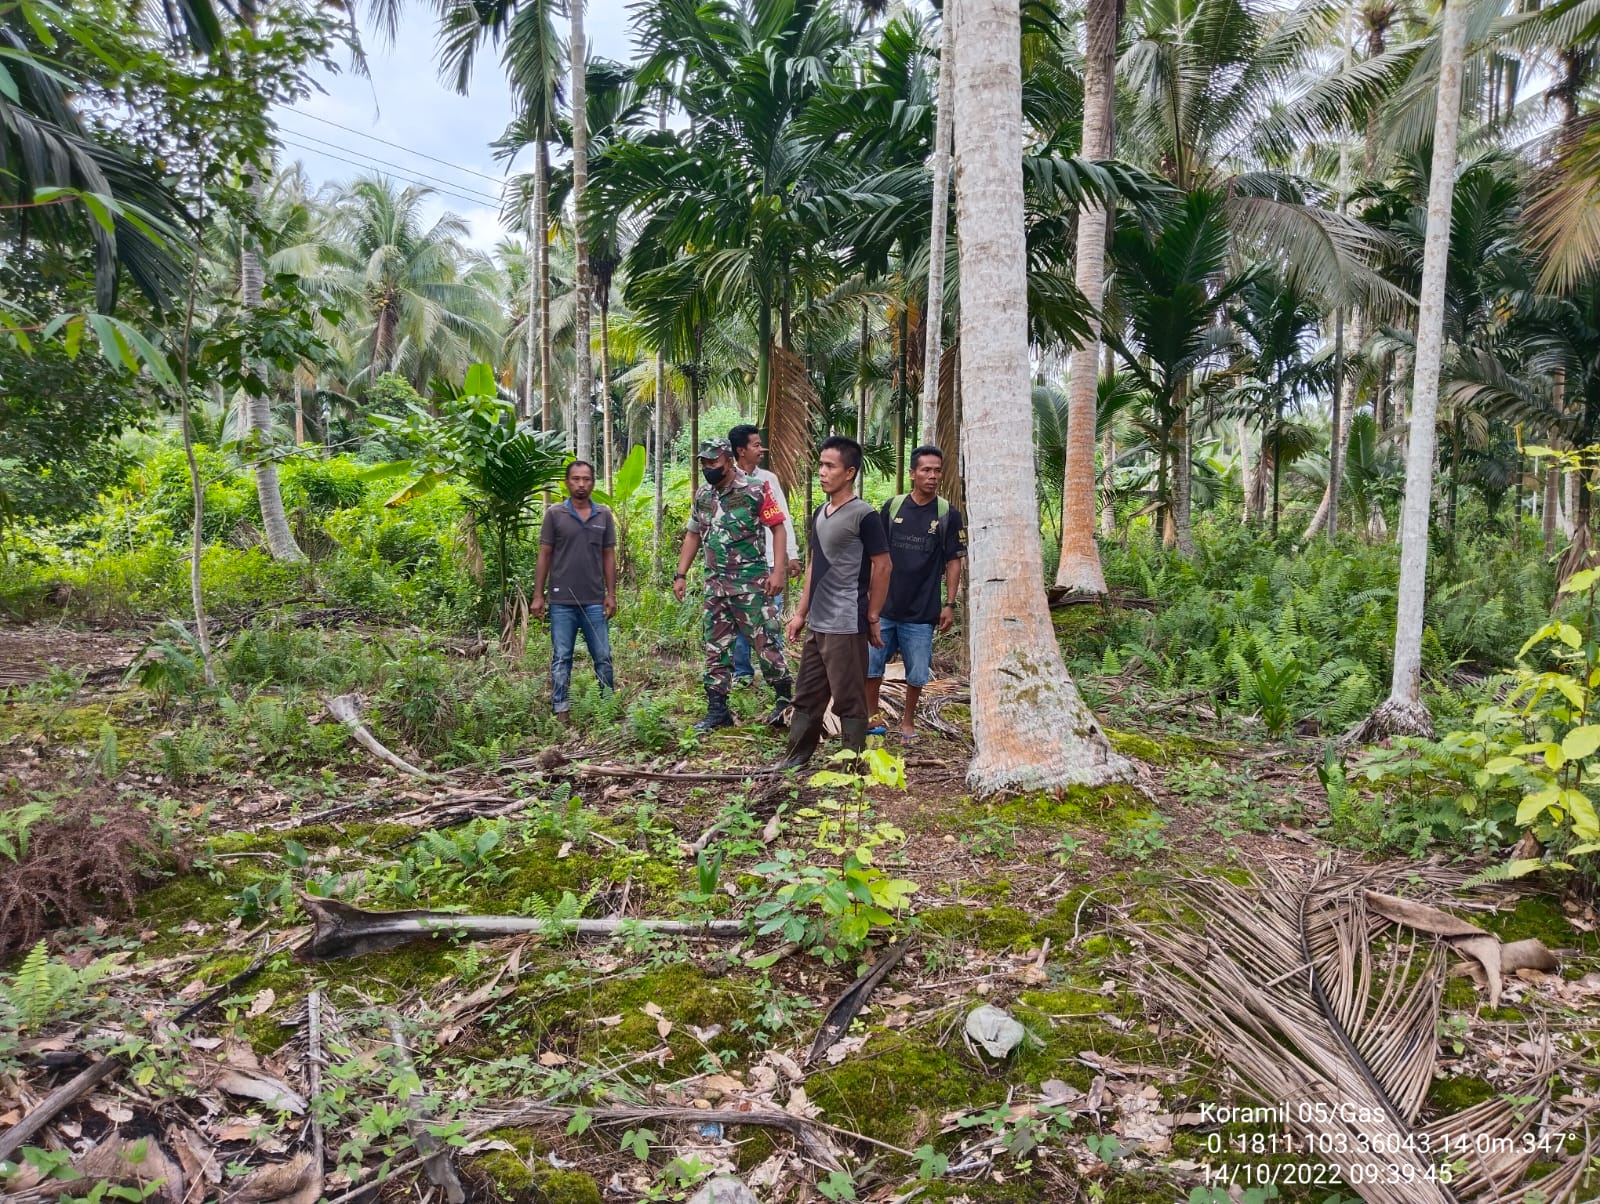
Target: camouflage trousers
{"x": 752, "y": 615}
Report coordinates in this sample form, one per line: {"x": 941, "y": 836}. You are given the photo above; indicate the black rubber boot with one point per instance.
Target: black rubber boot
{"x": 717, "y": 713}
{"x": 805, "y": 733}
{"x": 779, "y": 717}
{"x": 853, "y": 734}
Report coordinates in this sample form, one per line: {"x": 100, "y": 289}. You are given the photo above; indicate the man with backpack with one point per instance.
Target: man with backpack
{"x": 926, "y": 545}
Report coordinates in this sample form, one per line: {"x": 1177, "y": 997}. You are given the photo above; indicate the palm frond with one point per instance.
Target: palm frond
{"x": 1323, "y": 997}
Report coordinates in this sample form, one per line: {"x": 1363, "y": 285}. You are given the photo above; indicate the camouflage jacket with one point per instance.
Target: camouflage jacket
{"x": 732, "y": 529}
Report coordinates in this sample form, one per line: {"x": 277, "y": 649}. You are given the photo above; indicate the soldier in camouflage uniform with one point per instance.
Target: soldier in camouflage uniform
{"x": 730, "y": 516}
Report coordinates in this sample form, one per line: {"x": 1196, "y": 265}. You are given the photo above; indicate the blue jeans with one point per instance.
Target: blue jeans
{"x": 565, "y": 623}
{"x": 914, "y": 643}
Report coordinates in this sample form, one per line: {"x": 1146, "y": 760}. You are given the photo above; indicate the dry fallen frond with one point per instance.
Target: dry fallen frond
{"x": 791, "y": 401}
{"x": 1319, "y": 1005}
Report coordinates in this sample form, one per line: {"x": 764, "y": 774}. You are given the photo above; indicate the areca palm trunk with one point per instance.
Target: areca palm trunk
{"x": 1246, "y": 484}
{"x": 1328, "y": 508}
{"x": 280, "y": 539}
{"x": 582, "y": 385}
{"x": 1183, "y": 476}
{"x": 660, "y": 457}
{"x": 1030, "y": 725}
{"x": 605, "y": 384}
{"x": 1403, "y": 711}
{"x": 541, "y": 206}
{"x": 861, "y": 395}
{"x": 1078, "y": 568}
{"x": 933, "y": 341}
{"x": 530, "y": 331}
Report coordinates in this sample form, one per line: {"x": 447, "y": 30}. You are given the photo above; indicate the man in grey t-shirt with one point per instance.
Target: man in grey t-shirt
{"x": 847, "y": 579}
{"x": 578, "y": 559}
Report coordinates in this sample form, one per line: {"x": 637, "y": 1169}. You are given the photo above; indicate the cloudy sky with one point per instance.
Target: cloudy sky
{"x": 405, "y": 123}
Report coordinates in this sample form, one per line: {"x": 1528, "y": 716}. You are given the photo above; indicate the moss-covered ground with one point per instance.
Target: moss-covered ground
{"x": 1033, "y": 904}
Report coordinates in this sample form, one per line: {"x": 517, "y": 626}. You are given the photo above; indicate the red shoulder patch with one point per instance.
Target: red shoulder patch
{"x": 771, "y": 512}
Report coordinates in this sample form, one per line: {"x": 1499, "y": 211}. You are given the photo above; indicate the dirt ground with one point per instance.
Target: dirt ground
{"x": 307, "y": 1079}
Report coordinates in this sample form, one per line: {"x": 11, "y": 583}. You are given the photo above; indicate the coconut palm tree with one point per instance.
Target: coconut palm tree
{"x": 1403, "y": 710}
{"x": 534, "y": 62}
{"x": 1031, "y": 726}
{"x": 422, "y": 304}
{"x": 583, "y": 377}
{"x": 938, "y": 237}
{"x": 1078, "y": 568}
{"x": 45, "y": 143}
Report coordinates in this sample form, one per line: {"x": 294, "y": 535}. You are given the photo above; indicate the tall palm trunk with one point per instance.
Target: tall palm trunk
{"x": 902, "y": 388}
{"x": 532, "y": 325}
{"x": 541, "y": 205}
{"x": 1183, "y": 477}
{"x": 281, "y": 543}
{"x": 694, "y": 410}
{"x": 1031, "y": 727}
{"x": 583, "y": 384}
{"x": 605, "y": 383}
{"x": 1339, "y": 436}
{"x": 933, "y": 322}
{"x": 1246, "y": 476}
{"x": 1404, "y": 711}
{"x": 660, "y": 458}
{"x": 1078, "y": 568}
{"x": 861, "y": 394}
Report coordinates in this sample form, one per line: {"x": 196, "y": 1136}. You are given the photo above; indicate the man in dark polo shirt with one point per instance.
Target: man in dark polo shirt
{"x": 926, "y": 546}
{"x": 578, "y": 559}
{"x": 847, "y": 577}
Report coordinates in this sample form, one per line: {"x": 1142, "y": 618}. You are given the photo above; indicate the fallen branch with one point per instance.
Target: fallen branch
{"x": 339, "y": 930}
{"x": 70, "y": 1092}
{"x": 1059, "y": 597}
{"x": 346, "y": 708}
{"x": 805, "y": 1129}
{"x": 56, "y": 1102}
{"x": 670, "y": 775}
{"x": 440, "y": 1170}
{"x": 314, "y": 1060}
{"x": 844, "y": 1009}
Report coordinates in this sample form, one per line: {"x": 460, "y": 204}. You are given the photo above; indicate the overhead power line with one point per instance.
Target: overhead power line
{"x": 397, "y": 167}
{"x": 398, "y": 146}
{"x": 399, "y": 175}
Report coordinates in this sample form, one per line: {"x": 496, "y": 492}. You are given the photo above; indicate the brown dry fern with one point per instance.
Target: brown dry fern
{"x": 88, "y": 858}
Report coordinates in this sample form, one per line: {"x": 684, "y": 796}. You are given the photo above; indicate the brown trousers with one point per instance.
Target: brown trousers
{"x": 832, "y": 666}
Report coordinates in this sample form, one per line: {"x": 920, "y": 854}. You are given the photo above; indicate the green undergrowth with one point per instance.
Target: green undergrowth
{"x": 898, "y": 1087}
{"x": 1104, "y": 808}
{"x": 1163, "y": 747}
{"x": 1541, "y": 917}
{"x": 519, "y": 1176}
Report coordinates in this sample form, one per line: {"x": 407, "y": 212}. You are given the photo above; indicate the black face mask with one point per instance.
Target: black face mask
{"x": 714, "y": 474}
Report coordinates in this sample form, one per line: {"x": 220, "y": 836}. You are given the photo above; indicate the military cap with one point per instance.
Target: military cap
{"x": 710, "y": 449}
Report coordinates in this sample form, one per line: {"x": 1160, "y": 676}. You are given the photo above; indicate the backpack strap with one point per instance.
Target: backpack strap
{"x": 899, "y": 500}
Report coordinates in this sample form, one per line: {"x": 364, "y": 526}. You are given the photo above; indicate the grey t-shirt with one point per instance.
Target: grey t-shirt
{"x": 577, "y": 564}
{"x": 842, "y": 546}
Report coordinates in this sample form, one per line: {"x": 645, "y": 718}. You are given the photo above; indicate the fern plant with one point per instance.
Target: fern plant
{"x": 557, "y": 913}
{"x": 45, "y": 988}
{"x": 15, "y": 825}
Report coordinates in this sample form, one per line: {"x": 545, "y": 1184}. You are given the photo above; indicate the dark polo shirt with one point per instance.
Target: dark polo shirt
{"x": 577, "y": 569}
